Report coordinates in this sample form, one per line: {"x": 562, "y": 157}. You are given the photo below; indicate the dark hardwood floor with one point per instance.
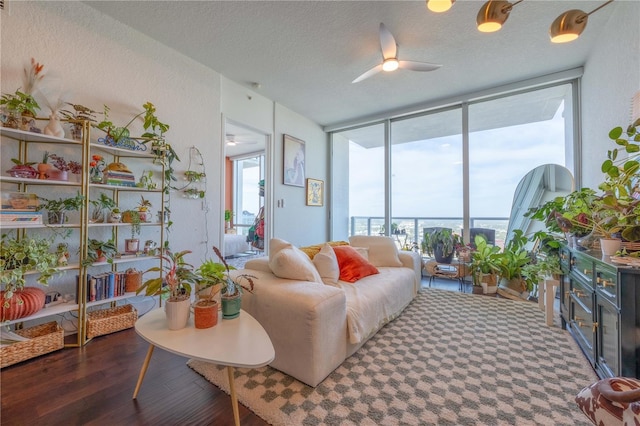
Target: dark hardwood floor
{"x": 94, "y": 385}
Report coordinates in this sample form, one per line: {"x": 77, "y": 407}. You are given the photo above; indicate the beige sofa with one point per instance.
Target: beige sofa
{"x": 316, "y": 325}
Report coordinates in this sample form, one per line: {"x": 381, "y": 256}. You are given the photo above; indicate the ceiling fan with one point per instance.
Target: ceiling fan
{"x": 390, "y": 61}
{"x": 233, "y": 140}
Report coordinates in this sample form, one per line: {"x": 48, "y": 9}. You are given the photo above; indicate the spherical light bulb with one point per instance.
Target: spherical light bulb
{"x": 390, "y": 64}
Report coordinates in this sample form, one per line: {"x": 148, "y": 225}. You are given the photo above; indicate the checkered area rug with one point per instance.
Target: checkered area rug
{"x": 449, "y": 359}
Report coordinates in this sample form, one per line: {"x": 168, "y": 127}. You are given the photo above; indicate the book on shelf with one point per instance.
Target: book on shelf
{"x": 26, "y": 216}
{"x": 19, "y": 201}
{"x": 105, "y": 285}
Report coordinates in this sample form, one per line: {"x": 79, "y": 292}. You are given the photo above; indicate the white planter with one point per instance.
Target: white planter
{"x": 177, "y": 314}
{"x": 610, "y": 246}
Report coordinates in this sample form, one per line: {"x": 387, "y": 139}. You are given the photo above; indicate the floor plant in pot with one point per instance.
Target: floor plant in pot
{"x": 17, "y": 258}
{"x": 484, "y": 265}
{"x": 511, "y": 260}
{"x": 441, "y": 243}
{"x": 217, "y": 275}
{"x": 175, "y": 281}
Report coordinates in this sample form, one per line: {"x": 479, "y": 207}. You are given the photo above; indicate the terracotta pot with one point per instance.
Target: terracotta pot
{"x": 23, "y": 303}
{"x": 43, "y": 169}
{"x": 205, "y": 313}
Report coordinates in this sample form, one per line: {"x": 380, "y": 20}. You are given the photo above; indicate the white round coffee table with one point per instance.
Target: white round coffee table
{"x": 240, "y": 342}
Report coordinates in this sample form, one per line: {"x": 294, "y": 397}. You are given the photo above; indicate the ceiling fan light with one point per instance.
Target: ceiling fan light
{"x": 390, "y": 64}
{"x": 439, "y": 6}
{"x": 492, "y": 15}
{"x": 568, "y": 26}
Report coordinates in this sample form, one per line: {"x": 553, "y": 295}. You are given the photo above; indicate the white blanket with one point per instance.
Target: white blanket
{"x": 234, "y": 244}
{"x": 375, "y": 300}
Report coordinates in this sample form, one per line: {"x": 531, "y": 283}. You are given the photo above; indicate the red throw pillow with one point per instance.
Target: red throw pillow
{"x": 352, "y": 265}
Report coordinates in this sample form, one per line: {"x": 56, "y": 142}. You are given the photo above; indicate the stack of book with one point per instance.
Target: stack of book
{"x": 119, "y": 178}
{"x": 105, "y": 285}
{"x": 20, "y": 207}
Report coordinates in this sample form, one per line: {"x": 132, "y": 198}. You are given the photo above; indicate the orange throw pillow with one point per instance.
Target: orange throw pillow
{"x": 352, "y": 265}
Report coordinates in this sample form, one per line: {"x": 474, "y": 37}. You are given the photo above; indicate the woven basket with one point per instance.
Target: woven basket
{"x": 110, "y": 320}
{"x": 132, "y": 280}
{"x": 45, "y": 338}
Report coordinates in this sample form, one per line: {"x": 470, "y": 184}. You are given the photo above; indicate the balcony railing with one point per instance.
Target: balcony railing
{"x": 405, "y": 229}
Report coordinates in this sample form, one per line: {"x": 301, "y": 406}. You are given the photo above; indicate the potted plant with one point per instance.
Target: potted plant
{"x": 510, "y": 262}
{"x": 22, "y": 170}
{"x": 228, "y": 215}
{"x": 218, "y": 277}
{"x": 100, "y": 206}
{"x": 100, "y": 251}
{"x": 441, "y": 243}
{"x": 484, "y": 265}
{"x": 79, "y": 114}
{"x": 44, "y": 166}
{"x": 62, "y": 167}
{"x": 56, "y": 208}
{"x": 132, "y": 245}
{"x": 175, "y": 280}
{"x": 143, "y": 209}
{"x": 17, "y": 258}
{"x": 17, "y": 105}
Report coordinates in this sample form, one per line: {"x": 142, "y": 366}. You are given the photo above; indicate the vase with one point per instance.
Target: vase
{"x": 231, "y": 306}
{"x": 609, "y": 246}
{"x": 56, "y": 218}
{"x": 55, "y": 174}
{"x": 96, "y": 176}
{"x": 115, "y": 217}
{"x": 177, "y": 313}
{"x": 54, "y": 128}
{"x": 131, "y": 245}
{"x": 205, "y": 313}
{"x": 97, "y": 215}
{"x": 24, "y": 302}
{"x": 76, "y": 131}
{"x": 589, "y": 241}
{"x": 43, "y": 169}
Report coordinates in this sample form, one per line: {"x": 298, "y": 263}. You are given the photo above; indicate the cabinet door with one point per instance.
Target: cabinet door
{"x": 608, "y": 338}
{"x": 581, "y": 322}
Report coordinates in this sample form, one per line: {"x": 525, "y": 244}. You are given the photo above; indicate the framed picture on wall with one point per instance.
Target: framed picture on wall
{"x": 315, "y": 192}
{"x": 293, "y": 161}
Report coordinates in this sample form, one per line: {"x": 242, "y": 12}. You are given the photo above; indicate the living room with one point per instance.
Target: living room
{"x": 103, "y": 61}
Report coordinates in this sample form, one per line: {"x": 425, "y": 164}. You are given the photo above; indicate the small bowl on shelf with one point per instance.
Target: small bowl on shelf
{"x": 27, "y": 172}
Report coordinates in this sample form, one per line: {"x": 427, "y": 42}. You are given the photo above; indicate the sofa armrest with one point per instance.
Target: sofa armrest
{"x": 413, "y": 261}
{"x": 258, "y": 264}
{"x": 305, "y": 321}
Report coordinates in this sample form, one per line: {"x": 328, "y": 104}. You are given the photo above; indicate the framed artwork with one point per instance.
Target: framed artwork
{"x": 315, "y": 192}
{"x": 293, "y": 161}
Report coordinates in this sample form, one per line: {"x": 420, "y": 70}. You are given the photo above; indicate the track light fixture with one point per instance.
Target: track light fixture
{"x": 439, "y": 6}
{"x": 568, "y": 26}
{"x": 493, "y": 14}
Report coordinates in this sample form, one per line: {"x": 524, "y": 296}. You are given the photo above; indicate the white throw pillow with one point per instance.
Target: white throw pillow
{"x": 287, "y": 261}
{"x": 326, "y": 263}
{"x": 382, "y": 250}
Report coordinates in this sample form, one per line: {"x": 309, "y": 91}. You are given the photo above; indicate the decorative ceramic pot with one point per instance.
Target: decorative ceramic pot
{"x": 54, "y": 128}
{"x": 55, "y": 174}
{"x": 610, "y": 246}
{"x": 177, "y": 313}
{"x": 43, "y": 169}
{"x": 231, "y": 306}
{"x": 115, "y": 217}
{"x": 56, "y": 218}
{"x": 205, "y": 313}
{"x": 23, "y": 303}
{"x": 131, "y": 245}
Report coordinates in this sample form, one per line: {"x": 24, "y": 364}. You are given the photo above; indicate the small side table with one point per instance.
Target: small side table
{"x": 240, "y": 342}
{"x": 452, "y": 271}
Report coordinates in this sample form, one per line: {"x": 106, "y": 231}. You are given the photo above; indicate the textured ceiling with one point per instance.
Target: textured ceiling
{"x": 304, "y": 54}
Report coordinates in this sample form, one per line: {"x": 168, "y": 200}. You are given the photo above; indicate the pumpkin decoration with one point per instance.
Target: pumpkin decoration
{"x": 24, "y": 302}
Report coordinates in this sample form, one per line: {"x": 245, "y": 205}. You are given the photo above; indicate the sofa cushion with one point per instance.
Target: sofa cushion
{"x": 326, "y": 263}
{"x": 352, "y": 265}
{"x": 382, "y": 250}
{"x": 311, "y": 251}
{"x": 287, "y": 261}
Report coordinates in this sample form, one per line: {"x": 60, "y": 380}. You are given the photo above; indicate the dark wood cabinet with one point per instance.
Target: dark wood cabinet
{"x": 600, "y": 306}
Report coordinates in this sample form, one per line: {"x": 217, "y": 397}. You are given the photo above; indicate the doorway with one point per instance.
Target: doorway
{"x": 245, "y": 203}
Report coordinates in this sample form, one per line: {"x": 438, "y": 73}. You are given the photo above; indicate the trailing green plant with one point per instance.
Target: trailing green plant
{"x": 176, "y": 277}
{"x": 19, "y": 256}
{"x": 62, "y": 204}
{"x": 98, "y": 248}
{"x": 133, "y": 217}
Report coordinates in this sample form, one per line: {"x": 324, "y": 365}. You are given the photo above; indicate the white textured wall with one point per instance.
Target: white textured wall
{"x": 611, "y": 78}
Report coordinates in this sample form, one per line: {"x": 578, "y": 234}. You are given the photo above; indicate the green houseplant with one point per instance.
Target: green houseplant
{"x": 100, "y": 251}
{"x": 217, "y": 275}
{"x": 56, "y": 208}
{"x": 17, "y": 258}
{"x": 175, "y": 281}
{"x": 485, "y": 264}
{"x": 16, "y": 105}
{"x": 101, "y": 205}
{"x": 511, "y": 260}
{"x": 441, "y": 243}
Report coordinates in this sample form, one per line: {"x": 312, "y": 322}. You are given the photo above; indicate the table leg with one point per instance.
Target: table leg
{"x": 541, "y": 299}
{"x": 234, "y": 398}
{"x": 549, "y": 295}
{"x": 143, "y": 370}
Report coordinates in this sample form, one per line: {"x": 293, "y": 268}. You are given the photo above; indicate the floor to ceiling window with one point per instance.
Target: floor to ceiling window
{"x": 455, "y": 167}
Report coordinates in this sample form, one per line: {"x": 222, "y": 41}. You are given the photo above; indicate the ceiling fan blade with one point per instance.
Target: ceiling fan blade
{"x": 387, "y": 43}
{"x": 369, "y": 73}
{"x": 418, "y": 66}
